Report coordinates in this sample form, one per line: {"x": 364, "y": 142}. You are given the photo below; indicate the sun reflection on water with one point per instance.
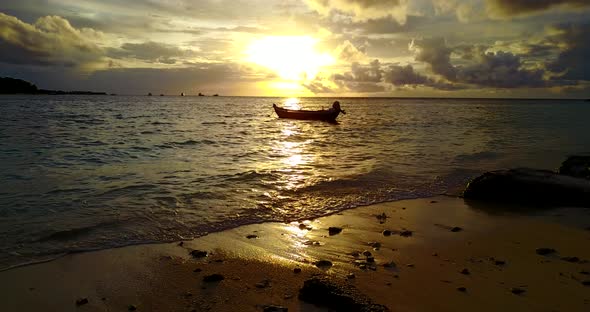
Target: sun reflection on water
{"x": 292, "y": 103}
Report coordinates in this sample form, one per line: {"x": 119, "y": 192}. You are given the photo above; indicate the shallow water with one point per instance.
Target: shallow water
{"x": 92, "y": 172}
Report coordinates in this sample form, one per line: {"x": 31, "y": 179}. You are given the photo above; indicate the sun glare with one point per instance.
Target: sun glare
{"x": 291, "y": 57}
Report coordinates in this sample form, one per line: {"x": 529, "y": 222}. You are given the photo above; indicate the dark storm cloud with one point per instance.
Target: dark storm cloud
{"x": 573, "y": 62}
{"x": 153, "y": 52}
{"x": 51, "y": 40}
{"x": 506, "y": 8}
{"x": 485, "y": 69}
{"x": 360, "y": 73}
{"x": 405, "y": 75}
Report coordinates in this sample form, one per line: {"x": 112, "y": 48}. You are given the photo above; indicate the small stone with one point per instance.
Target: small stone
{"x": 405, "y": 233}
{"x": 197, "y": 270}
{"x": 355, "y": 254}
{"x": 287, "y": 296}
{"x": 462, "y": 289}
{"x": 544, "y": 251}
{"x": 456, "y": 229}
{"x": 213, "y": 278}
{"x": 499, "y": 262}
{"x": 386, "y": 233}
{"x": 251, "y": 236}
{"x": 81, "y": 301}
{"x": 586, "y": 283}
{"x": 333, "y": 230}
{"x": 517, "y": 291}
{"x": 585, "y": 272}
{"x": 367, "y": 253}
{"x": 297, "y": 270}
{"x": 433, "y": 202}
{"x": 131, "y": 307}
{"x": 465, "y": 271}
{"x": 181, "y": 244}
{"x": 388, "y": 283}
{"x": 370, "y": 259}
{"x": 363, "y": 266}
{"x": 375, "y": 244}
{"x": 323, "y": 263}
{"x": 302, "y": 226}
{"x": 390, "y": 264}
{"x": 410, "y": 265}
{"x": 350, "y": 276}
{"x": 273, "y": 308}
{"x": 571, "y": 259}
{"x": 198, "y": 253}
{"x": 263, "y": 284}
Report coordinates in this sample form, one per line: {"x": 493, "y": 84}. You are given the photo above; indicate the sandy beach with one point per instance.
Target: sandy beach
{"x": 440, "y": 255}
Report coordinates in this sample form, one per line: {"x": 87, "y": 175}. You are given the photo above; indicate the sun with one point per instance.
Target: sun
{"x": 293, "y": 58}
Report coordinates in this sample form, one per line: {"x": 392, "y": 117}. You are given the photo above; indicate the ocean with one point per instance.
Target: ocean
{"x": 92, "y": 172}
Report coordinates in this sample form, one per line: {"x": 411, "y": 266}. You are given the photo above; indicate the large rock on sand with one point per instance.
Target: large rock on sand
{"x": 336, "y": 295}
{"x": 576, "y": 166}
{"x": 530, "y": 186}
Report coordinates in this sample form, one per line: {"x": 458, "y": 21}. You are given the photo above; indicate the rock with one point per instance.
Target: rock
{"x": 363, "y": 266}
{"x": 181, "y": 244}
{"x": 585, "y": 272}
{"x": 263, "y": 284}
{"x": 433, "y": 202}
{"x": 323, "y": 263}
{"x": 465, "y": 272}
{"x": 571, "y": 259}
{"x": 382, "y": 218}
{"x": 390, "y": 264}
{"x": 251, "y": 236}
{"x": 410, "y": 265}
{"x": 405, "y": 233}
{"x": 517, "y": 291}
{"x": 213, "y": 278}
{"x": 297, "y": 270}
{"x": 197, "y": 270}
{"x": 375, "y": 244}
{"x": 529, "y": 187}
{"x": 370, "y": 259}
{"x": 81, "y": 301}
{"x": 586, "y": 283}
{"x": 335, "y": 295}
{"x": 456, "y": 229}
{"x": 576, "y": 166}
{"x": 131, "y": 307}
{"x": 544, "y": 251}
{"x": 499, "y": 262}
{"x": 350, "y": 276}
{"x": 462, "y": 289}
{"x": 386, "y": 233}
{"x": 198, "y": 253}
{"x": 366, "y": 253}
{"x": 333, "y": 230}
{"x": 274, "y": 308}
{"x": 302, "y": 226}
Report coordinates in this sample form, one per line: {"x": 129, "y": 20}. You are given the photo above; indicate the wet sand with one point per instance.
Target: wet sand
{"x": 442, "y": 255}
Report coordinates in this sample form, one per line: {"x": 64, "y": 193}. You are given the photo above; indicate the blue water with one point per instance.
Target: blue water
{"x": 91, "y": 172}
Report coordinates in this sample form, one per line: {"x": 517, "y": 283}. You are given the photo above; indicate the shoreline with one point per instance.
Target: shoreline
{"x": 448, "y": 245}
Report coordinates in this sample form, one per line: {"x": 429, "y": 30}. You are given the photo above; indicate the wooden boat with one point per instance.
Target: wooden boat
{"x": 324, "y": 114}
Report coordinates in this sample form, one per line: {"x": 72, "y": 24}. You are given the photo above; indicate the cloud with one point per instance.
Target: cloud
{"x": 152, "y": 52}
{"x": 51, "y": 40}
{"x": 348, "y": 52}
{"x": 435, "y": 53}
{"x": 405, "y": 75}
{"x": 572, "y": 62}
{"x": 509, "y": 8}
{"x": 362, "y": 9}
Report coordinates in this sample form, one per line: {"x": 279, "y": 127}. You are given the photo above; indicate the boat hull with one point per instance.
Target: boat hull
{"x": 325, "y": 115}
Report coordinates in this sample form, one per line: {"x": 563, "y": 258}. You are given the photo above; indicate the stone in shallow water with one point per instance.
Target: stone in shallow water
{"x": 576, "y": 166}
{"x": 323, "y": 263}
{"x": 517, "y": 291}
{"x": 333, "y": 230}
{"x": 274, "y": 308}
{"x": 198, "y": 253}
{"x": 545, "y": 251}
{"x": 335, "y": 295}
{"x": 213, "y": 278}
{"x": 81, "y": 301}
{"x": 386, "y": 232}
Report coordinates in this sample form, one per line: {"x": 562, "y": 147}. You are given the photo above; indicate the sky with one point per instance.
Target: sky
{"x": 397, "y": 48}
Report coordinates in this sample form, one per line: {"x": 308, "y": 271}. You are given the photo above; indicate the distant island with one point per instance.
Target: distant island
{"x": 18, "y": 86}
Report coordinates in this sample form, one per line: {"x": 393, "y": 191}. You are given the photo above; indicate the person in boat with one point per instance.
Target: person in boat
{"x": 336, "y": 108}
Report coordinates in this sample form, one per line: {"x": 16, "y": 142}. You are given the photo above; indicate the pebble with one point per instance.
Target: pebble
{"x": 263, "y": 284}
{"x": 405, "y": 233}
{"x": 571, "y": 259}
{"x": 499, "y": 262}
{"x": 544, "y": 251}
{"x": 517, "y": 291}
{"x": 370, "y": 259}
{"x": 81, "y": 301}
{"x": 386, "y": 233}
{"x": 462, "y": 289}
{"x": 302, "y": 226}
{"x": 197, "y": 270}
{"x": 297, "y": 270}
{"x": 410, "y": 265}
{"x": 465, "y": 271}
{"x": 350, "y": 276}
{"x": 390, "y": 264}
{"x": 181, "y": 244}
{"x": 586, "y": 283}
{"x": 273, "y": 308}
{"x": 323, "y": 263}
{"x": 198, "y": 253}
{"x": 213, "y": 278}
{"x": 251, "y": 236}
{"x": 367, "y": 253}
{"x": 375, "y": 244}
{"x": 363, "y": 266}
{"x": 333, "y": 230}
{"x": 456, "y": 229}
{"x": 132, "y": 307}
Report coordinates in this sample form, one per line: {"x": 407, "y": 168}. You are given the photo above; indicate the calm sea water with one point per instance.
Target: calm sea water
{"x": 91, "y": 172}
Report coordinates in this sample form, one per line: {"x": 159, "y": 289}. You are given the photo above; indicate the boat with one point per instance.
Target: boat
{"x": 324, "y": 114}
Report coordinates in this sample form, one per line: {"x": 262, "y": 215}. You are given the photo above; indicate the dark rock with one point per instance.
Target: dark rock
{"x": 544, "y": 251}
{"x": 405, "y": 233}
{"x": 302, "y": 226}
{"x": 433, "y": 202}
{"x": 213, "y": 278}
{"x": 370, "y": 259}
{"x": 366, "y": 253}
{"x": 81, "y": 301}
{"x": 323, "y": 263}
{"x": 333, "y": 230}
{"x": 571, "y": 259}
{"x": 350, "y": 276}
{"x": 517, "y": 291}
{"x": 586, "y": 283}
{"x": 465, "y": 272}
{"x": 197, "y": 270}
{"x": 198, "y": 253}
{"x": 297, "y": 270}
{"x": 576, "y": 166}
{"x": 390, "y": 264}
{"x": 181, "y": 244}
{"x": 456, "y": 229}
{"x": 462, "y": 289}
{"x": 410, "y": 265}
{"x": 335, "y": 295}
{"x": 131, "y": 307}
{"x": 585, "y": 272}
{"x": 529, "y": 187}
{"x": 375, "y": 244}
{"x": 274, "y": 308}
{"x": 251, "y": 236}
{"x": 499, "y": 262}
{"x": 263, "y": 284}
{"x": 386, "y": 233}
